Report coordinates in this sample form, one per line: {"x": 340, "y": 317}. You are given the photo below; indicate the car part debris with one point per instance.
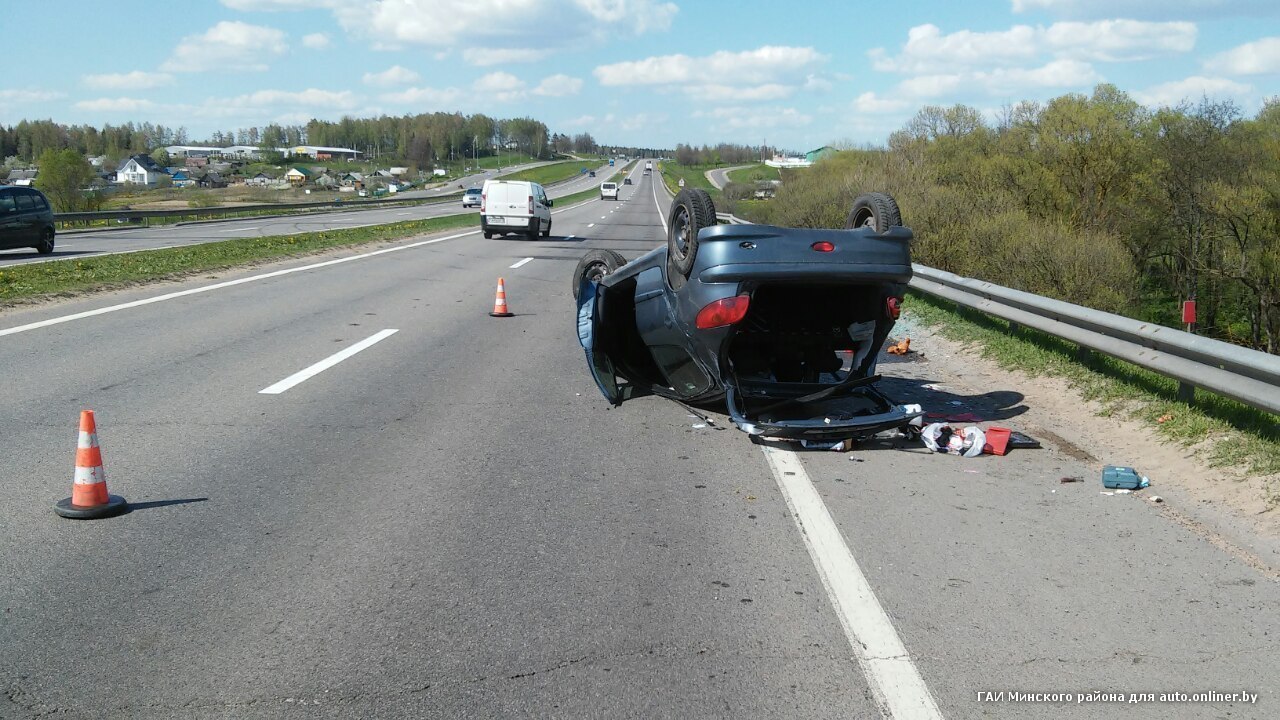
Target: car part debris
{"x": 1125, "y": 478}
{"x": 967, "y": 442}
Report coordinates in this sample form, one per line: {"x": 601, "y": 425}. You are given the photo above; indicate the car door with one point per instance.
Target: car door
{"x": 10, "y": 224}
{"x": 28, "y": 217}
{"x": 542, "y": 206}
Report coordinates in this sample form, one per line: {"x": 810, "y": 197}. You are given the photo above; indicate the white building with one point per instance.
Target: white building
{"x": 140, "y": 170}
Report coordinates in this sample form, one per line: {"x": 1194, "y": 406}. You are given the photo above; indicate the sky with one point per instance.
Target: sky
{"x": 647, "y": 73}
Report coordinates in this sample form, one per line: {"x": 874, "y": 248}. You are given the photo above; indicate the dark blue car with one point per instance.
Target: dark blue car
{"x": 782, "y": 324}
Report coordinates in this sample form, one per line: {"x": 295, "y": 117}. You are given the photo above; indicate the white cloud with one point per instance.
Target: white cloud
{"x": 484, "y": 57}
{"x": 581, "y": 121}
{"x": 394, "y": 75}
{"x": 1056, "y": 74}
{"x": 120, "y": 105}
{"x": 424, "y": 97}
{"x": 1148, "y": 9}
{"x": 16, "y": 97}
{"x": 770, "y": 63}
{"x": 1260, "y": 57}
{"x": 754, "y": 118}
{"x": 1192, "y": 89}
{"x": 316, "y": 41}
{"x": 229, "y": 45}
{"x": 500, "y": 86}
{"x": 868, "y": 103}
{"x": 558, "y": 85}
{"x": 926, "y": 86}
{"x": 640, "y": 15}
{"x": 817, "y": 84}
{"x": 311, "y": 97}
{"x": 136, "y": 80}
{"x": 928, "y": 50}
{"x": 720, "y": 93}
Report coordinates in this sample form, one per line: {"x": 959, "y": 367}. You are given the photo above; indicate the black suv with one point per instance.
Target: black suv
{"x": 26, "y": 220}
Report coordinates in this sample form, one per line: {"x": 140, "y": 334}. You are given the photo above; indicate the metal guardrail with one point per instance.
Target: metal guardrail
{"x": 1249, "y": 376}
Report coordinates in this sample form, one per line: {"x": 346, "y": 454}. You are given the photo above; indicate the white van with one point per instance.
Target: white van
{"x": 514, "y": 206}
{"x": 609, "y": 191}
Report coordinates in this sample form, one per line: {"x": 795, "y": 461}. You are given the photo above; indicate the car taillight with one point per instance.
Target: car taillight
{"x": 530, "y": 204}
{"x": 893, "y": 306}
{"x": 725, "y": 311}
{"x": 483, "y": 199}
{"x": 823, "y": 246}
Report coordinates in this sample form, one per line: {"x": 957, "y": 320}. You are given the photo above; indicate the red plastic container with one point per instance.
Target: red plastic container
{"x": 997, "y": 441}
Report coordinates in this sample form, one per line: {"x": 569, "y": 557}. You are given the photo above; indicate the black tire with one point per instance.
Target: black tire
{"x": 594, "y": 266}
{"x": 691, "y": 211}
{"x": 488, "y": 235}
{"x": 46, "y": 242}
{"x": 547, "y": 232}
{"x": 878, "y": 211}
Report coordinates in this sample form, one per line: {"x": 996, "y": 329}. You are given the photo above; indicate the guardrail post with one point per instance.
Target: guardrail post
{"x": 1084, "y": 354}
{"x": 1014, "y": 328}
{"x": 1186, "y": 392}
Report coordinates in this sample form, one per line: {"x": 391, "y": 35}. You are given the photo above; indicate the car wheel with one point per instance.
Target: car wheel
{"x": 594, "y": 266}
{"x": 46, "y": 242}
{"x": 691, "y": 211}
{"x": 488, "y": 235}
{"x": 547, "y": 232}
{"x": 878, "y": 211}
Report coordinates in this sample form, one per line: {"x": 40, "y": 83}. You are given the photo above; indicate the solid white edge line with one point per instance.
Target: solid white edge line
{"x": 325, "y": 364}
{"x": 891, "y": 673}
{"x": 521, "y": 263}
{"x": 662, "y": 221}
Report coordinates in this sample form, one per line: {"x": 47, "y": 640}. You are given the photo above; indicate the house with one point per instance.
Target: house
{"x": 139, "y": 170}
{"x": 398, "y": 171}
{"x": 324, "y": 153}
{"x": 261, "y": 178}
{"x": 182, "y": 179}
{"x": 21, "y": 177}
{"x": 298, "y": 176}
{"x": 197, "y": 161}
{"x": 814, "y": 156}
{"x": 351, "y": 179}
{"x": 242, "y": 152}
{"x": 325, "y": 180}
{"x": 188, "y": 151}
{"x": 211, "y": 180}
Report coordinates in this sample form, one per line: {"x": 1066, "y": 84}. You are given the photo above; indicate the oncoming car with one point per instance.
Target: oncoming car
{"x": 472, "y": 198}
{"x": 782, "y": 324}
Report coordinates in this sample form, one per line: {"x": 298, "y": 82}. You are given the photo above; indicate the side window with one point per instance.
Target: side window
{"x": 683, "y": 374}
{"x": 25, "y": 202}
{"x": 7, "y": 205}
{"x": 41, "y": 203}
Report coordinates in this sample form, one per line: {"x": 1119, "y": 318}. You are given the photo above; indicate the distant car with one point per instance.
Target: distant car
{"x": 26, "y": 220}
{"x": 472, "y": 198}
{"x": 609, "y": 191}
{"x": 784, "y": 325}
{"x": 591, "y": 174}
{"x": 626, "y": 181}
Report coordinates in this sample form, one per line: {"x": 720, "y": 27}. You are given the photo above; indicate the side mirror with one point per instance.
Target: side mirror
{"x": 550, "y": 202}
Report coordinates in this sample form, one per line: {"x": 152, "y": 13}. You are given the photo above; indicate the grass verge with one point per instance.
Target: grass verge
{"x": 693, "y": 176}
{"x": 104, "y": 272}
{"x": 548, "y": 174}
{"x": 754, "y": 173}
{"x": 1229, "y": 433}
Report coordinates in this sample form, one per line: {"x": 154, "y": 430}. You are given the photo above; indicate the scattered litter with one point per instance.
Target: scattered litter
{"x": 1021, "y": 441}
{"x": 944, "y": 438}
{"x": 751, "y": 497}
{"x": 1066, "y": 480}
{"x": 699, "y": 426}
{"x": 1106, "y": 493}
{"x": 1164, "y": 419}
{"x": 1157, "y": 499}
{"x": 835, "y": 445}
{"x": 900, "y": 348}
{"x": 1123, "y": 491}
{"x": 855, "y": 458}
{"x": 975, "y": 472}
{"x": 997, "y": 441}
{"x": 1123, "y": 477}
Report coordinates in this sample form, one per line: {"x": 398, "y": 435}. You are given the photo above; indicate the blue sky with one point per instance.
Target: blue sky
{"x": 634, "y": 72}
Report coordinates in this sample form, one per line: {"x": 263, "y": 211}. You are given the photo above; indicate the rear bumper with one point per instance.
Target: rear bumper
{"x": 820, "y": 428}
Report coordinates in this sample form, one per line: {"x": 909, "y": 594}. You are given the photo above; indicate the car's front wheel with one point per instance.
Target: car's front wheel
{"x": 594, "y": 266}
{"x": 878, "y": 211}
{"x": 46, "y": 242}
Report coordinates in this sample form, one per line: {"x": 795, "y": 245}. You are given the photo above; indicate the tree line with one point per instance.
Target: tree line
{"x": 1092, "y": 199}
{"x": 724, "y": 153}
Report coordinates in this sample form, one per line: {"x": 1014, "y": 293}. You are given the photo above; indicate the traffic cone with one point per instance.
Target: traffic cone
{"x": 89, "y": 499}
{"x": 500, "y": 301}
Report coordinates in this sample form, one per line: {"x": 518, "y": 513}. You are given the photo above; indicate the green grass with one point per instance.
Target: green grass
{"x": 104, "y": 272}
{"x": 548, "y": 174}
{"x": 1239, "y": 435}
{"x": 693, "y": 176}
{"x": 754, "y": 173}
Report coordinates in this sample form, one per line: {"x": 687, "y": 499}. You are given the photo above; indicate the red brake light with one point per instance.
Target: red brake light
{"x": 893, "y": 306}
{"x": 823, "y": 246}
{"x": 725, "y": 311}
{"x": 530, "y": 204}
{"x": 484, "y": 200}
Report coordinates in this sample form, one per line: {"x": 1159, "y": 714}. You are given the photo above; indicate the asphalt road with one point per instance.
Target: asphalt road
{"x": 80, "y": 245}
{"x": 452, "y": 522}
{"x": 719, "y": 177}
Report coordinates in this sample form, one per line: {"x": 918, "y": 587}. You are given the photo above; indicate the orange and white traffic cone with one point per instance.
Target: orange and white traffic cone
{"x": 500, "y": 301}
{"x": 89, "y": 498}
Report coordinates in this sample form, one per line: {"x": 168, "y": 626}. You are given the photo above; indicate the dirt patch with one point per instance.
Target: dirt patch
{"x": 1220, "y": 503}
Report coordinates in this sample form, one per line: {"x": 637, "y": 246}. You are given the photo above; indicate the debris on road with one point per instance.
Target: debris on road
{"x": 1125, "y": 478}
{"x": 997, "y": 441}
{"x": 1157, "y": 499}
{"x": 1021, "y": 441}
{"x": 834, "y": 445}
{"x": 967, "y": 442}
{"x": 900, "y": 348}
{"x": 1164, "y": 419}
{"x": 1066, "y": 480}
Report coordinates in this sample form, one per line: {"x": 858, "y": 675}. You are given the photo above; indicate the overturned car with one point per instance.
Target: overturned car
{"x": 783, "y": 324}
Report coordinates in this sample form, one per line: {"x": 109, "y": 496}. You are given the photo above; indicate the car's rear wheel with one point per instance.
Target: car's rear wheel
{"x": 488, "y": 235}
{"x": 547, "y": 232}
{"x": 691, "y": 211}
{"x": 46, "y": 242}
{"x": 878, "y": 211}
{"x": 594, "y": 266}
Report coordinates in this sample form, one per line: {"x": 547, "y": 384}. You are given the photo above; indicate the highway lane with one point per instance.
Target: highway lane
{"x": 81, "y": 245}
{"x": 453, "y": 522}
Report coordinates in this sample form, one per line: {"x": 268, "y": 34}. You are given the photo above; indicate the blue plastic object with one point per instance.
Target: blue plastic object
{"x": 1123, "y": 478}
